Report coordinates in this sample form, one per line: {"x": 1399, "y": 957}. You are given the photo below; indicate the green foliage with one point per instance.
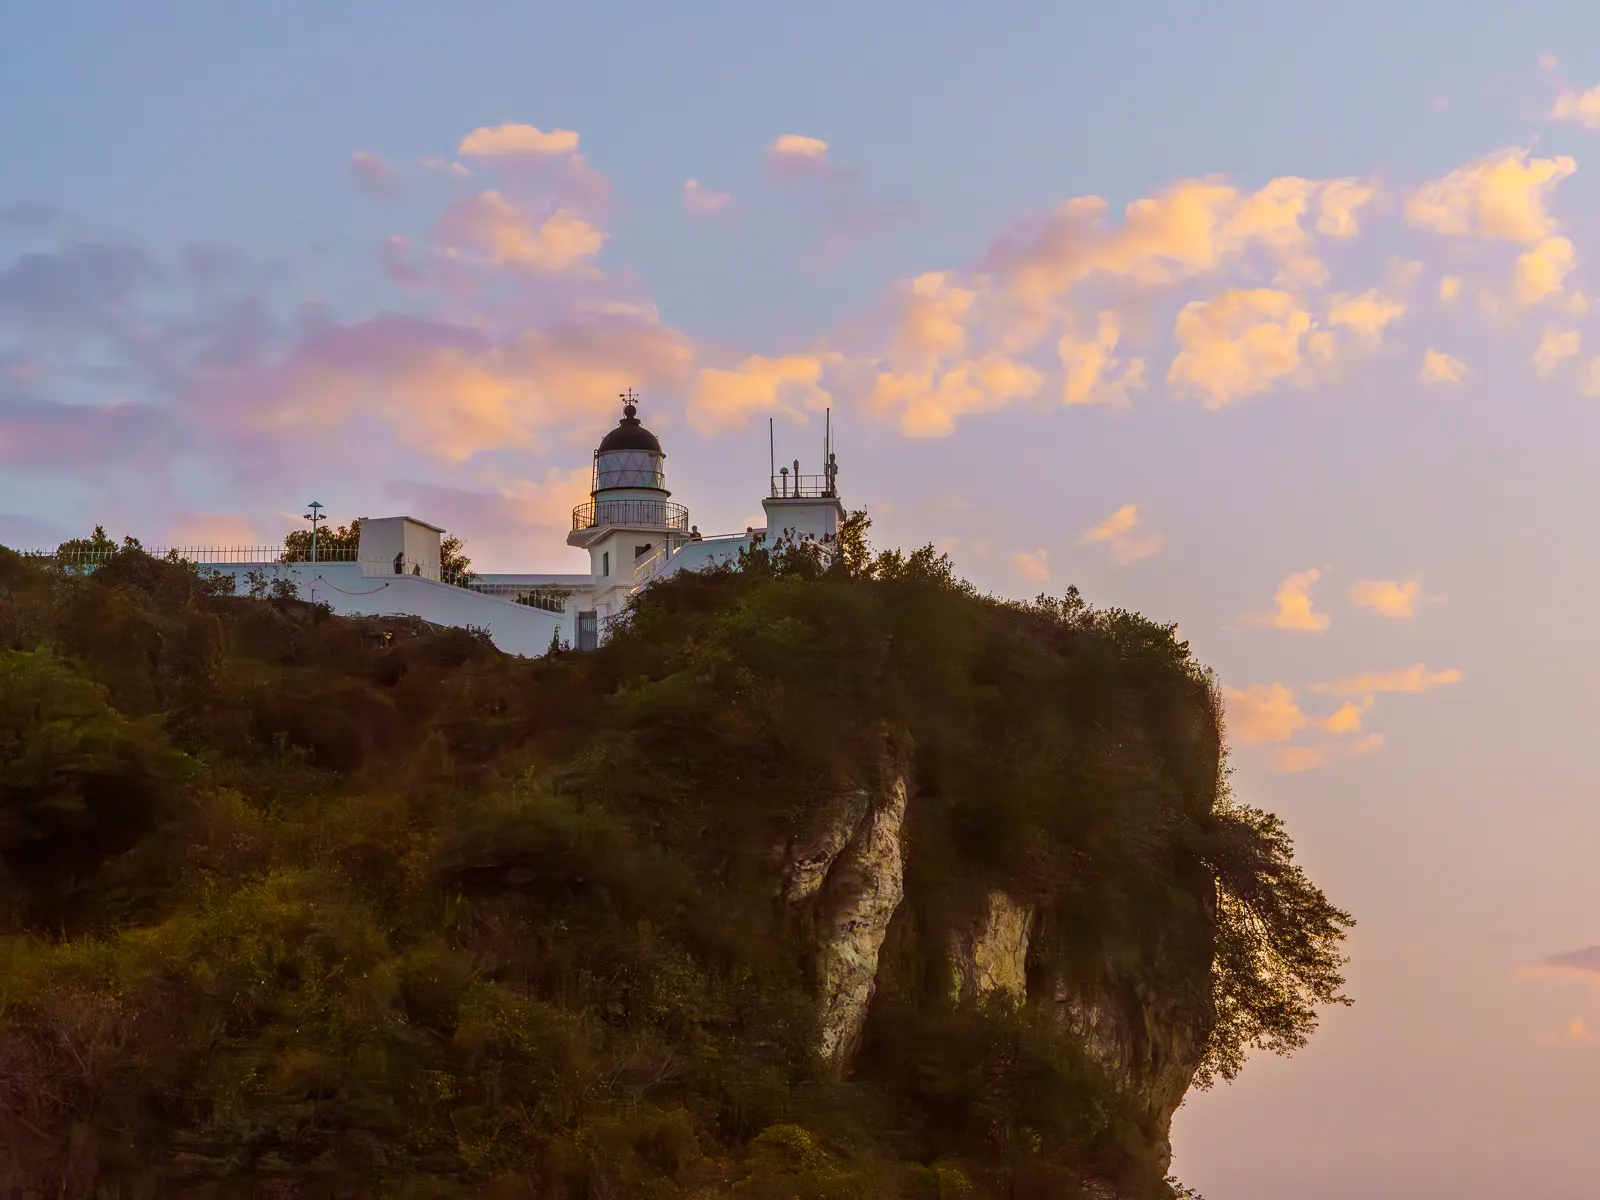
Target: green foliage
{"x": 297, "y": 542}
{"x": 303, "y": 905}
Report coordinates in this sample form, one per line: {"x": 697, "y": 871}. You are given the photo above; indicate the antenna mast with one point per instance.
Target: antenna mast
{"x": 772, "y": 455}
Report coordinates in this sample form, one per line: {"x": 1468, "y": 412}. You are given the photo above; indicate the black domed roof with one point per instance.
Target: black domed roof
{"x": 630, "y": 435}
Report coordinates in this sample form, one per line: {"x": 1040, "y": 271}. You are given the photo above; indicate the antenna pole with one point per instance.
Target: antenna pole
{"x": 772, "y": 454}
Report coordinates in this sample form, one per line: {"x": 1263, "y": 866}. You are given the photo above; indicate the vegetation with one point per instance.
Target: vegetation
{"x": 298, "y": 905}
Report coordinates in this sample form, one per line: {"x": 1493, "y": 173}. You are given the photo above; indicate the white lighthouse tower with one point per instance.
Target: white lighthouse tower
{"x": 629, "y": 519}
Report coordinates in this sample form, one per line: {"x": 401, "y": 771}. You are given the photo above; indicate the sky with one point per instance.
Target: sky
{"x": 1272, "y": 321}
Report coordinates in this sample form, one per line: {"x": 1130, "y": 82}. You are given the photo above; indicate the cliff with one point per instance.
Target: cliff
{"x": 812, "y": 883}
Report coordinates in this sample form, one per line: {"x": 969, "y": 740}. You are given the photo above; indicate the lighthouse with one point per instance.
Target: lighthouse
{"x": 630, "y": 520}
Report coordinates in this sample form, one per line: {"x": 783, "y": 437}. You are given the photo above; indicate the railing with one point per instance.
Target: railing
{"x": 95, "y": 556}
{"x": 657, "y": 559}
{"x": 802, "y": 487}
{"x": 646, "y": 514}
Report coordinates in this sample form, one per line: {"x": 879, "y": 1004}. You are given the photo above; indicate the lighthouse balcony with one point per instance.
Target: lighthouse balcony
{"x": 631, "y": 514}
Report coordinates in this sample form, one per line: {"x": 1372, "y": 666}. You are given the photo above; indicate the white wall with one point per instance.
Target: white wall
{"x": 384, "y": 537}
{"x": 514, "y": 628}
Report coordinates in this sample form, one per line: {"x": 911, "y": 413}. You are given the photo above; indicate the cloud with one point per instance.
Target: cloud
{"x": 190, "y": 528}
{"x": 38, "y": 434}
{"x": 1263, "y": 713}
{"x": 511, "y": 141}
{"x": 1386, "y": 597}
{"x": 927, "y": 403}
{"x": 1547, "y": 62}
{"x": 790, "y": 383}
{"x": 1238, "y": 344}
{"x": 1191, "y": 228}
{"x": 1268, "y": 714}
{"x": 1540, "y": 271}
{"x": 796, "y": 153}
{"x": 445, "y": 167}
{"x": 1365, "y": 315}
{"x": 502, "y": 521}
{"x": 450, "y": 391}
{"x": 1292, "y": 606}
{"x": 376, "y": 174}
{"x": 1303, "y": 758}
{"x": 1585, "y": 961}
{"x": 1093, "y": 372}
{"x": 1033, "y": 567}
{"x": 1413, "y": 680}
{"x": 1578, "y": 108}
{"x": 1121, "y": 532}
{"x": 932, "y": 321}
{"x": 1337, "y": 207}
{"x": 1439, "y": 367}
{"x": 491, "y": 224}
{"x": 702, "y": 201}
{"x": 1449, "y": 288}
{"x": 1555, "y": 347}
{"x": 1501, "y": 195}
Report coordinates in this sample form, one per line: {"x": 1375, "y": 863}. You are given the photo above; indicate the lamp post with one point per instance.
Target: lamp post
{"x": 314, "y": 516}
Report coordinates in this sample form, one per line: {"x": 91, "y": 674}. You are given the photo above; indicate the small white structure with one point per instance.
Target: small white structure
{"x": 399, "y": 546}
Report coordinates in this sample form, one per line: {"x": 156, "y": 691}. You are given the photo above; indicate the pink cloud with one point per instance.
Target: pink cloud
{"x": 703, "y": 201}
{"x": 376, "y": 174}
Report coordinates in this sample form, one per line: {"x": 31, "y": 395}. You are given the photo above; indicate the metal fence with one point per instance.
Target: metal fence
{"x": 646, "y": 514}
{"x": 802, "y": 487}
{"x": 85, "y": 556}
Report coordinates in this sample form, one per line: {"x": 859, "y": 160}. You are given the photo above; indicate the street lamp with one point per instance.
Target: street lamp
{"x": 314, "y": 516}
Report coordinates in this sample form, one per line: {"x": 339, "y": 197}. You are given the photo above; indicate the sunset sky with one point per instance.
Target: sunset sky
{"x": 1278, "y": 322}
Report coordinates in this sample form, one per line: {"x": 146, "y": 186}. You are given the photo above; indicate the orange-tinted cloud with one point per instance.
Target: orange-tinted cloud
{"x": 1193, "y": 227}
{"x": 1439, "y": 367}
{"x": 490, "y": 224}
{"x": 1555, "y": 347}
{"x": 1578, "y": 108}
{"x": 1238, "y": 344}
{"x": 1292, "y": 606}
{"x": 1501, "y": 195}
{"x": 1093, "y": 374}
{"x": 1541, "y": 271}
{"x": 726, "y": 399}
{"x": 932, "y": 322}
{"x": 1032, "y": 566}
{"x": 1386, "y": 597}
{"x": 510, "y": 141}
{"x": 797, "y": 153}
{"x": 1122, "y": 532}
{"x": 926, "y": 404}
{"x": 1367, "y": 314}
{"x": 1412, "y": 680}
{"x": 1449, "y": 288}
{"x": 702, "y": 201}
{"x": 452, "y": 392}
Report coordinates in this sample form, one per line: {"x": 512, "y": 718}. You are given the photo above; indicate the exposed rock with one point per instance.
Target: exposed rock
{"x": 813, "y": 853}
{"x": 1148, "y": 1045}
{"x": 858, "y": 887}
{"x": 991, "y": 955}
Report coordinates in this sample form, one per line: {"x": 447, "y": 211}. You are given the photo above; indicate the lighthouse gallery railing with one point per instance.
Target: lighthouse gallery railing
{"x": 648, "y": 514}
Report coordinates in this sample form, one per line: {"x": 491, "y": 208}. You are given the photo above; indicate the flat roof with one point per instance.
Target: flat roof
{"x": 413, "y": 520}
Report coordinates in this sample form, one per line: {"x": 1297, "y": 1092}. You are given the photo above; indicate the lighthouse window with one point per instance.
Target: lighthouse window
{"x": 644, "y": 549}
{"x": 605, "y": 565}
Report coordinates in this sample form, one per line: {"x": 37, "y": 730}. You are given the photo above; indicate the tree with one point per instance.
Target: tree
{"x": 297, "y": 543}
{"x": 454, "y": 565}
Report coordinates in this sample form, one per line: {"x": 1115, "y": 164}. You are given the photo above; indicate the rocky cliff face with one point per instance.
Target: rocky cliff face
{"x": 851, "y": 865}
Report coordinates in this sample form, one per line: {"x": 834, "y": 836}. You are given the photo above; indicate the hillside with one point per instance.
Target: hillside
{"x": 809, "y": 884}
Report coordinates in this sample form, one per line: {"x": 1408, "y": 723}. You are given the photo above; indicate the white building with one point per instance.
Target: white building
{"x": 631, "y": 529}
